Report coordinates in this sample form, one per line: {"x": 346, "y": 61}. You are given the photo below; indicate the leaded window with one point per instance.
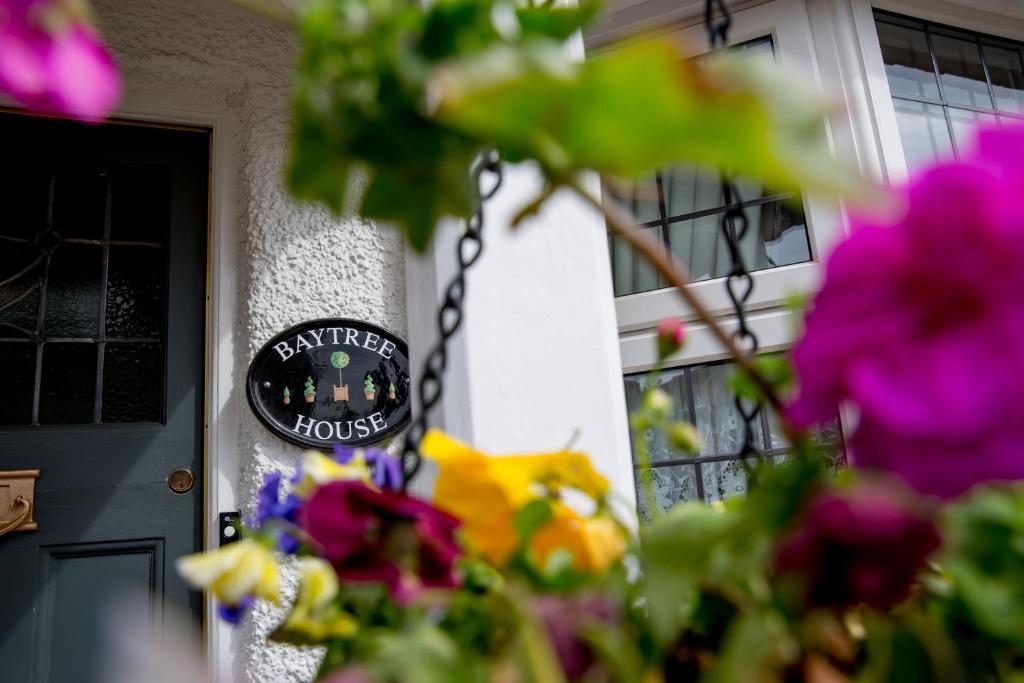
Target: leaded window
{"x": 701, "y": 395}
{"x": 944, "y": 80}
{"x": 682, "y": 207}
{"x": 83, "y": 271}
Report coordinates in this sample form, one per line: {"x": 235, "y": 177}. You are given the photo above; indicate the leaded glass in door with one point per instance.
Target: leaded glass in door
{"x": 83, "y": 278}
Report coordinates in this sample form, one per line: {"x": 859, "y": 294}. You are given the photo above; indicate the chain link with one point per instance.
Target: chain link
{"x": 739, "y": 283}
{"x": 449, "y": 316}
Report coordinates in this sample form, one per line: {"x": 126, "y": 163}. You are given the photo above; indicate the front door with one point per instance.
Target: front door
{"x": 102, "y": 310}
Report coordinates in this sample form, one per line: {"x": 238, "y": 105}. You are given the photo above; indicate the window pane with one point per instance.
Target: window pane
{"x": 632, "y": 273}
{"x": 697, "y": 244}
{"x": 723, "y": 480}
{"x": 1007, "y": 73}
{"x": 73, "y": 291}
{"x": 783, "y": 229}
{"x": 907, "y": 62}
{"x": 717, "y": 419}
{"x": 132, "y": 383}
{"x": 964, "y": 123}
{"x": 688, "y": 190}
{"x": 640, "y": 198}
{"x": 923, "y": 131}
{"x": 963, "y": 76}
{"x": 671, "y": 484}
{"x": 673, "y": 382}
{"x": 68, "y": 389}
{"x": 19, "y": 298}
{"x": 17, "y": 377}
{"x": 135, "y": 292}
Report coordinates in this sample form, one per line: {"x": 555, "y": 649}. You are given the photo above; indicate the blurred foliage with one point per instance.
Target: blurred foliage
{"x": 408, "y": 94}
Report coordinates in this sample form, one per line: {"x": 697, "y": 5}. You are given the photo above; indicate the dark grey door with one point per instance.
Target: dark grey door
{"x": 102, "y": 308}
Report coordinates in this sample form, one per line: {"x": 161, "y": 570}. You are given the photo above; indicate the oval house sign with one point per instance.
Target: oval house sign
{"x": 331, "y": 381}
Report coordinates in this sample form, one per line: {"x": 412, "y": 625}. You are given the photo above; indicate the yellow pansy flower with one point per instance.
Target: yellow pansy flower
{"x": 595, "y": 543}
{"x": 233, "y": 572}
{"x": 486, "y": 492}
{"x": 319, "y": 469}
{"x": 314, "y": 615}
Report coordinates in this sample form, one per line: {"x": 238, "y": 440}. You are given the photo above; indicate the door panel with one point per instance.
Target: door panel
{"x": 102, "y": 308}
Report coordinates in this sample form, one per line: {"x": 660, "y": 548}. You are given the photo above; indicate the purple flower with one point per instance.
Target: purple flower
{"x": 233, "y": 614}
{"x": 919, "y": 324}
{"x": 566, "y": 617}
{"x": 865, "y": 544}
{"x": 268, "y": 502}
{"x": 269, "y": 506}
{"x": 53, "y": 61}
{"x": 381, "y": 536}
{"x": 387, "y": 468}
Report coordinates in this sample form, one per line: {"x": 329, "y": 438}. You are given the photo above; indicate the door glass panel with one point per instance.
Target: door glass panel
{"x": 73, "y": 291}
{"x": 1007, "y": 73}
{"x": 68, "y": 389}
{"x": 963, "y": 76}
{"x": 923, "y": 131}
{"x": 132, "y": 382}
{"x": 135, "y": 292}
{"x": 21, "y": 265}
{"x": 17, "y": 382}
{"x": 907, "y": 62}
{"x": 80, "y": 203}
{"x": 23, "y": 196}
{"x": 140, "y": 205}
{"x": 98, "y": 297}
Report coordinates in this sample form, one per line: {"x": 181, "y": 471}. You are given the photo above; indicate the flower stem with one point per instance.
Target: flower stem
{"x": 622, "y": 224}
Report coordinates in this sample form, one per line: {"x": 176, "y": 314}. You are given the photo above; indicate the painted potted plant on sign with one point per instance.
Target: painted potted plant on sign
{"x": 286, "y": 396}
{"x": 369, "y": 388}
{"x": 340, "y": 359}
{"x": 391, "y": 391}
{"x": 310, "y": 390}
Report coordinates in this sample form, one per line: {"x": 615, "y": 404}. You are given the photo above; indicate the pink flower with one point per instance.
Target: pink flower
{"x": 920, "y": 324}
{"x": 862, "y": 545}
{"x": 53, "y": 61}
{"x": 671, "y": 334}
{"x": 381, "y": 536}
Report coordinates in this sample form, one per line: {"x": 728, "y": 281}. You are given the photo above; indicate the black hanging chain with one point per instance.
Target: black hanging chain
{"x": 739, "y": 283}
{"x": 449, "y": 315}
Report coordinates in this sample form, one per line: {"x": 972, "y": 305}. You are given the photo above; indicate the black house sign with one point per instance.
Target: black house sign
{"x": 331, "y": 381}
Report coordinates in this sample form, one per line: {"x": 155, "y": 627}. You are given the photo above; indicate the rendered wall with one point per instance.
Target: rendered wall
{"x": 294, "y": 262}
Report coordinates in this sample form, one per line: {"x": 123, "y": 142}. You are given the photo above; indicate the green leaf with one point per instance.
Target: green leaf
{"x": 531, "y": 517}
{"x": 639, "y": 108}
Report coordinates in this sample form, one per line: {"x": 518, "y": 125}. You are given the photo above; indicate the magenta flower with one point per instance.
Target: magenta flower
{"x": 920, "y": 322}
{"x": 53, "y": 61}
{"x": 381, "y": 536}
{"x": 566, "y": 619}
{"x": 864, "y": 545}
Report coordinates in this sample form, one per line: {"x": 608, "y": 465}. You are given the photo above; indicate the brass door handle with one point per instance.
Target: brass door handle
{"x": 19, "y": 501}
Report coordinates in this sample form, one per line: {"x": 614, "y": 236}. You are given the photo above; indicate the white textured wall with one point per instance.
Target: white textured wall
{"x": 294, "y": 262}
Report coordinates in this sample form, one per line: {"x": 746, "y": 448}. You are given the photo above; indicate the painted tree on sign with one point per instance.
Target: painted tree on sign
{"x": 340, "y": 359}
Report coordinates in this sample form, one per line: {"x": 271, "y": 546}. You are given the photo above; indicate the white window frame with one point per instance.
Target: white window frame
{"x": 787, "y": 23}
{"x": 992, "y": 17}
{"x": 832, "y": 44}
